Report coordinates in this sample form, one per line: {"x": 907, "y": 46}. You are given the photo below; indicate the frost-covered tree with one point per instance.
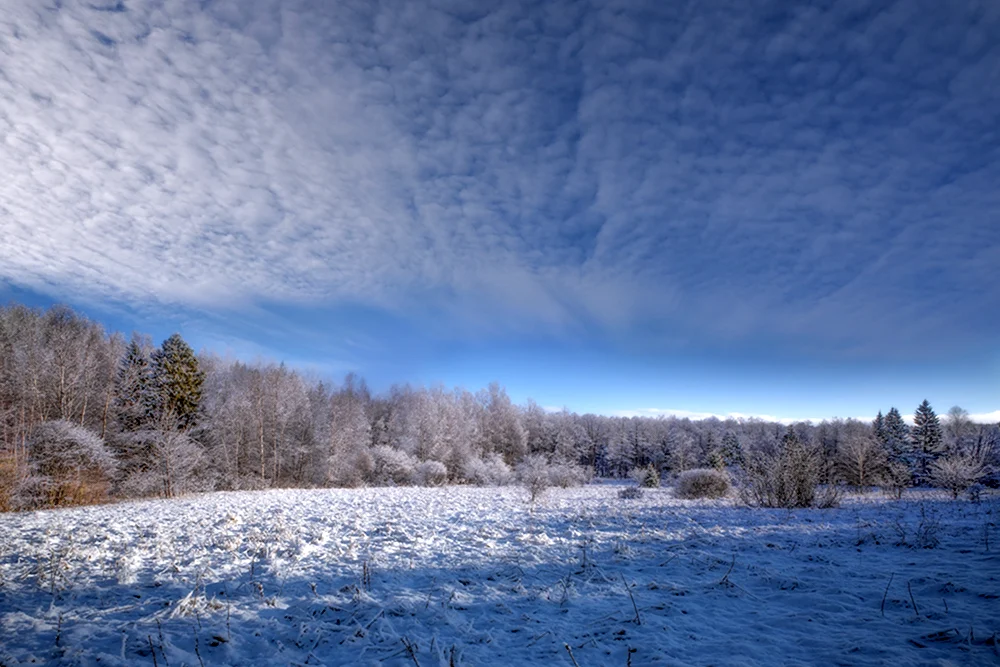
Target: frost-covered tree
{"x": 959, "y": 431}
{"x": 500, "y": 429}
{"x": 862, "y": 459}
{"x": 165, "y": 461}
{"x": 958, "y": 472}
{"x": 350, "y": 459}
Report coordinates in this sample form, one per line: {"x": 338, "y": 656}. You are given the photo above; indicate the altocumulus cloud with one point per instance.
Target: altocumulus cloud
{"x": 712, "y": 168}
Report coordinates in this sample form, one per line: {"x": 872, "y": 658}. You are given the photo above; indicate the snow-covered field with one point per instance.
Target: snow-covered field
{"x": 471, "y": 576}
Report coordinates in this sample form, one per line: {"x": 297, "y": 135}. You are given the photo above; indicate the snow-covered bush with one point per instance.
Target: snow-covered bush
{"x": 533, "y": 475}
{"x": 958, "y": 472}
{"x": 431, "y": 473}
{"x": 785, "y": 477}
{"x": 488, "y": 471}
{"x": 702, "y": 483}
{"x": 564, "y": 474}
{"x": 896, "y": 479}
{"x": 392, "y": 466}
{"x": 68, "y": 465}
{"x": 647, "y": 477}
{"x": 631, "y": 493}
{"x": 161, "y": 462}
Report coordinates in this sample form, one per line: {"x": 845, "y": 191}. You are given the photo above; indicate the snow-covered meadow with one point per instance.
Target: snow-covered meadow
{"x": 472, "y": 576}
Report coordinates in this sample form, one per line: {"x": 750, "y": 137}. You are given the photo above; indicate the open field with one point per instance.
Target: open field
{"x": 467, "y": 576}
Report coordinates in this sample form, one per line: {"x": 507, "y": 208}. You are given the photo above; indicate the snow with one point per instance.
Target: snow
{"x": 468, "y": 576}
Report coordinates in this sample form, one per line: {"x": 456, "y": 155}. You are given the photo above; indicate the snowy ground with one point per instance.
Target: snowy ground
{"x": 471, "y": 576}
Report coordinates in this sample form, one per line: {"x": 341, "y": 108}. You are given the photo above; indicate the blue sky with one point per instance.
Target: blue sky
{"x": 771, "y": 208}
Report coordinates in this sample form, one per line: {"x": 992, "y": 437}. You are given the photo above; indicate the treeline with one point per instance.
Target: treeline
{"x": 87, "y": 416}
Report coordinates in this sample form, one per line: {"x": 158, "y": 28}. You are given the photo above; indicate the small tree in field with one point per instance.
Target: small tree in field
{"x": 646, "y": 477}
{"x": 862, "y": 460}
{"x": 533, "y": 475}
{"x": 958, "y": 472}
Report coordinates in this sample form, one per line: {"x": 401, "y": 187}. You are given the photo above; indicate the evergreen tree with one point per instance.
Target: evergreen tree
{"x": 896, "y": 436}
{"x": 178, "y": 381}
{"x": 927, "y": 440}
{"x": 135, "y": 398}
{"x": 732, "y": 451}
{"x": 878, "y": 427}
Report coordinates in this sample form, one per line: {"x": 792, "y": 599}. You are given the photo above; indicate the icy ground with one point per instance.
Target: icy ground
{"x": 470, "y": 576}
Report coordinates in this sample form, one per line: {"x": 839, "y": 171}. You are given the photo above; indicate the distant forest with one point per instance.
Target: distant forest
{"x": 89, "y": 416}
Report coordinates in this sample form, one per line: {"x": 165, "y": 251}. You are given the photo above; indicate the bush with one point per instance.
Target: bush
{"x": 957, "y": 473}
{"x": 702, "y": 483}
{"x": 631, "y": 493}
{"x": 647, "y": 477}
{"x": 565, "y": 475}
{"x": 488, "y": 471}
{"x": 68, "y": 465}
{"x": 392, "y": 466}
{"x": 431, "y": 473}
{"x": 787, "y": 477}
{"x": 896, "y": 479}
{"x": 533, "y": 475}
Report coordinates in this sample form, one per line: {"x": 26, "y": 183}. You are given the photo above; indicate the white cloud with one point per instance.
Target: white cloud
{"x": 693, "y": 415}
{"x": 983, "y": 418}
{"x": 509, "y": 170}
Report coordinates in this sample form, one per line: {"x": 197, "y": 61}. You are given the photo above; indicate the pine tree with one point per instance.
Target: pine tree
{"x": 135, "y": 399}
{"x": 878, "y": 427}
{"x": 927, "y": 440}
{"x": 896, "y": 436}
{"x": 731, "y": 450}
{"x": 178, "y": 381}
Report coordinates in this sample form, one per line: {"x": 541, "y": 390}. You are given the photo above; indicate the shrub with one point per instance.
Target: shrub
{"x": 896, "y": 479}
{"x": 69, "y": 465}
{"x": 392, "y": 466}
{"x": 431, "y": 473}
{"x": 647, "y": 477}
{"x": 958, "y": 472}
{"x": 533, "y": 475}
{"x": 631, "y": 493}
{"x": 565, "y": 475}
{"x": 786, "y": 477}
{"x": 702, "y": 483}
{"x": 488, "y": 471}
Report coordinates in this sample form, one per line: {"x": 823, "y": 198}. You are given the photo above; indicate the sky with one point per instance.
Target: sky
{"x": 696, "y": 206}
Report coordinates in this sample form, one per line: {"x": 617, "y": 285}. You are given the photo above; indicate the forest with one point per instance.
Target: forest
{"x": 90, "y": 416}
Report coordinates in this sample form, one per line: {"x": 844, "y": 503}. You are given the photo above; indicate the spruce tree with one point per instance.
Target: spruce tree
{"x": 878, "y": 427}
{"x": 927, "y": 440}
{"x": 135, "y": 398}
{"x": 897, "y": 437}
{"x": 178, "y": 381}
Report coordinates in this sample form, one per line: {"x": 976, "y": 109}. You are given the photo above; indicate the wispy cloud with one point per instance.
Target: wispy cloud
{"x": 705, "y": 169}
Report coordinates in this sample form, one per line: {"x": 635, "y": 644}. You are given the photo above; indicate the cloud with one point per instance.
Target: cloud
{"x": 983, "y": 418}
{"x": 701, "y": 171}
{"x": 986, "y": 417}
{"x": 696, "y": 416}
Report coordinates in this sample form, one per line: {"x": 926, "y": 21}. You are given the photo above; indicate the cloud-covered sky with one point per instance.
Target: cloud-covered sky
{"x": 596, "y": 202}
